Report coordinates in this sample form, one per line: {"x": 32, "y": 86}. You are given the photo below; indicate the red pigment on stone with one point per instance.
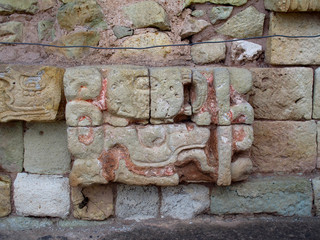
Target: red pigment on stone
{"x": 87, "y": 139}
{"x": 100, "y": 101}
{"x": 238, "y": 136}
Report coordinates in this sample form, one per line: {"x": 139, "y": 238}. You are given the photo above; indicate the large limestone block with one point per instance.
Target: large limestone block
{"x": 92, "y": 203}
{"x": 294, "y": 51}
{"x": 284, "y": 146}
{"x": 80, "y": 13}
{"x": 11, "y": 146}
{"x": 5, "y": 199}
{"x": 316, "y": 95}
{"x": 282, "y": 93}
{"x": 208, "y": 52}
{"x": 8, "y": 7}
{"x": 29, "y": 93}
{"x": 137, "y": 202}
{"x": 292, "y": 5}
{"x": 45, "y": 148}
{"x": 147, "y": 14}
{"x": 41, "y": 195}
{"x": 11, "y": 32}
{"x": 184, "y": 202}
{"x": 231, "y": 2}
{"x": 283, "y": 196}
{"x": 248, "y": 23}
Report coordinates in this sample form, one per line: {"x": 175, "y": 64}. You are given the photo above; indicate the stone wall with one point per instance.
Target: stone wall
{"x": 170, "y": 132}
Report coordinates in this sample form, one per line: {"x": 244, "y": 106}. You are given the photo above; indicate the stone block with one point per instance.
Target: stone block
{"x": 184, "y": 202}
{"x": 316, "y": 193}
{"x": 137, "y": 202}
{"x": 244, "y": 51}
{"x": 5, "y": 199}
{"x": 11, "y": 31}
{"x": 122, "y": 31}
{"x": 92, "y": 203}
{"x": 219, "y": 13}
{"x": 316, "y": 95}
{"x": 248, "y": 23}
{"x": 282, "y": 93}
{"x": 11, "y": 147}
{"x": 282, "y": 196}
{"x": 284, "y": 146}
{"x": 41, "y": 195}
{"x": 318, "y": 143}
{"x": 34, "y": 92}
{"x": 192, "y": 26}
{"x": 147, "y": 14}
{"x": 292, "y": 5}
{"x": 46, "y": 30}
{"x": 45, "y": 148}
{"x": 8, "y": 7}
{"x": 231, "y": 2}
{"x": 286, "y": 51}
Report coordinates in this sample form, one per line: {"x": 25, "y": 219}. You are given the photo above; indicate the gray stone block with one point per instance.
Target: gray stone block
{"x": 316, "y": 192}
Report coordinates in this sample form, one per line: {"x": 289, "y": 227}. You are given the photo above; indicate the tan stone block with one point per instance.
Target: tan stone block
{"x": 284, "y": 146}
{"x": 8, "y": 7}
{"x": 316, "y": 95}
{"x": 5, "y": 204}
{"x": 285, "y": 51}
{"x": 92, "y": 203}
{"x": 282, "y": 93}
{"x": 192, "y": 26}
{"x": 292, "y": 5}
{"x": 29, "y": 93}
{"x": 11, "y": 32}
{"x": 222, "y": 90}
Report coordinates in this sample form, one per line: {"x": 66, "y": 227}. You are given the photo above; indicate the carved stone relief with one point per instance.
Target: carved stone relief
{"x": 158, "y": 126}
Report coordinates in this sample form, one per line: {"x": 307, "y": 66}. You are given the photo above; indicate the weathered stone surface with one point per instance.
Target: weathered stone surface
{"x": 192, "y": 26}
{"x": 46, "y": 30}
{"x": 208, "y": 53}
{"x": 244, "y": 51}
{"x": 46, "y": 4}
{"x": 11, "y": 32}
{"x": 10, "y": 6}
{"x": 146, "y": 40}
{"x": 316, "y": 192}
{"x": 292, "y": 5}
{"x": 318, "y": 142}
{"x": 231, "y": 2}
{"x": 294, "y": 51}
{"x": 219, "y": 13}
{"x": 136, "y": 202}
{"x": 224, "y": 147}
{"x": 18, "y": 223}
{"x": 198, "y": 13}
{"x": 240, "y": 79}
{"x": 45, "y": 148}
{"x": 29, "y": 93}
{"x": 147, "y": 14}
{"x": 284, "y": 146}
{"x": 41, "y": 195}
{"x": 248, "y": 23}
{"x": 184, "y": 202}
{"x": 283, "y": 196}
{"x": 282, "y": 93}
{"x": 11, "y": 146}
{"x": 222, "y": 89}
{"x": 316, "y": 95}
{"x": 90, "y": 38}
{"x": 80, "y": 13}
{"x": 5, "y": 204}
{"x": 92, "y": 203}
{"x": 122, "y": 31}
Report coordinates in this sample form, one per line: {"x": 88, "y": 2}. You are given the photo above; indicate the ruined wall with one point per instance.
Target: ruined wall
{"x": 178, "y": 131}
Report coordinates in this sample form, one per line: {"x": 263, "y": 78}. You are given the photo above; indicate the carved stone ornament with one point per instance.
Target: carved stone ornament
{"x": 158, "y": 126}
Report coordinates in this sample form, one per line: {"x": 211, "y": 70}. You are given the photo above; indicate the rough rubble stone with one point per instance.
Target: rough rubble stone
{"x": 11, "y": 146}
{"x": 198, "y": 13}
{"x": 122, "y": 31}
{"x": 5, "y": 204}
{"x": 316, "y": 191}
{"x": 80, "y": 13}
{"x": 284, "y": 51}
{"x": 231, "y": 2}
{"x": 244, "y": 51}
{"x": 284, "y": 146}
{"x": 90, "y": 38}
{"x": 147, "y": 14}
{"x": 46, "y": 30}
{"x": 137, "y": 202}
{"x": 192, "y": 26}
{"x": 248, "y": 23}
{"x": 41, "y": 195}
{"x": 282, "y": 93}
{"x": 208, "y": 53}
{"x": 92, "y": 203}
{"x": 45, "y": 148}
{"x": 35, "y": 92}
{"x": 11, "y": 32}
{"x": 8, "y": 7}
{"x": 46, "y": 4}
{"x": 283, "y": 196}
{"x": 184, "y": 202}
{"x": 292, "y": 5}
{"x": 219, "y": 13}
{"x": 316, "y": 95}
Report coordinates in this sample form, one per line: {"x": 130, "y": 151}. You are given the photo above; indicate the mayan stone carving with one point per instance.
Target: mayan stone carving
{"x": 29, "y": 93}
{"x": 292, "y": 5}
{"x": 158, "y": 126}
